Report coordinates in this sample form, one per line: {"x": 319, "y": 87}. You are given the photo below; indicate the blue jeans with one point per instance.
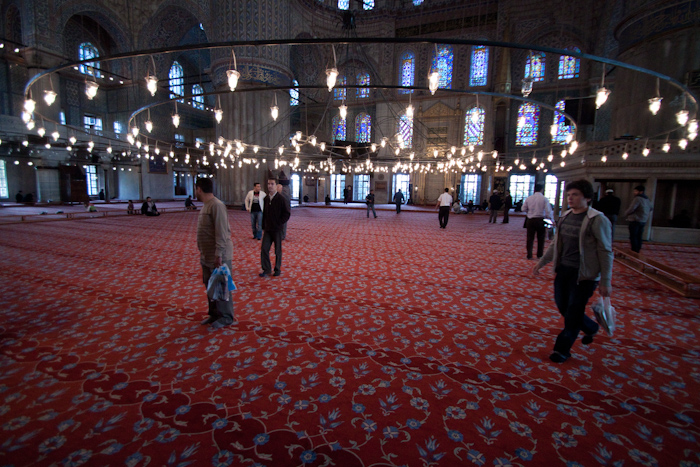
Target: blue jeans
{"x": 371, "y": 206}
{"x": 571, "y": 297}
{"x": 256, "y": 221}
{"x": 636, "y": 230}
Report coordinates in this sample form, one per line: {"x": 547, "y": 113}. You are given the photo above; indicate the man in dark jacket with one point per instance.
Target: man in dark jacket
{"x": 495, "y": 203}
{"x": 275, "y": 214}
{"x": 507, "y": 206}
{"x": 637, "y": 216}
{"x": 610, "y": 206}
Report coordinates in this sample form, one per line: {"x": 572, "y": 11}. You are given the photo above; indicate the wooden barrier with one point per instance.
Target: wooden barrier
{"x": 680, "y": 282}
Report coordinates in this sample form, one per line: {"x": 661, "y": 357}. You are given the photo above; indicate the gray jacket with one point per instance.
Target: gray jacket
{"x": 639, "y": 209}
{"x": 595, "y": 246}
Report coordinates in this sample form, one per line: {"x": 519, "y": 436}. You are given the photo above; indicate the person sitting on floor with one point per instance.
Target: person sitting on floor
{"x": 19, "y": 197}
{"x": 89, "y": 207}
{"x": 130, "y": 207}
{"x": 470, "y": 207}
{"x": 189, "y": 204}
{"x": 148, "y": 208}
{"x": 328, "y": 200}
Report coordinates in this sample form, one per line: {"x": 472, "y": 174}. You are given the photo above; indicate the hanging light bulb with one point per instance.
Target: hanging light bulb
{"x": 233, "y": 76}
{"x": 176, "y": 120}
{"x": 41, "y": 131}
{"x": 409, "y": 111}
{"x": 152, "y": 84}
{"x": 157, "y": 149}
{"x": 323, "y": 146}
{"x": 645, "y": 152}
{"x": 343, "y": 111}
{"x": 280, "y": 150}
{"x": 682, "y": 117}
{"x": 383, "y": 143}
{"x": 109, "y": 149}
{"x": 692, "y": 126}
{"x": 666, "y": 147}
{"x": 601, "y": 96}
{"x": 91, "y": 89}
{"x": 554, "y": 129}
{"x": 72, "y": 140}
{"x": 26, "y": 116}
{"x": 692, "y": 136}
{"x": 533, "y": 161}
{"x": 30, "y": 125}
{"x": 604, "y": 158}
{"x": 655, "y": 104}
{"x": 49, "y": 97}
{"x": 397, "y": 151}
{"x": 274, "y": 111}
{"x": 517, "y": 162}
{"x": 312, "y": 140}
{"x": 348, "y": 149}
{"x": 550, "y": 158}
{"x": 573, "y": 147}
{"x": 331, "y": 77}
{"x": 29, "y": 106}
{"x": 55, "y": 135}
{"x": 526, "y": 88}
{"x": 149, "y": 126}
{"x": 433, "y": 81}
{"x": 625, "y": 155}
{"x": 683, "y": 143}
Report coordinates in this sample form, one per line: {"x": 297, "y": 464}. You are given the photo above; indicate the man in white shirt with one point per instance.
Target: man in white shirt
{"x": 538, "y": 209}
{"x": 444, "y": 202}
{"x": 254, "y": 205}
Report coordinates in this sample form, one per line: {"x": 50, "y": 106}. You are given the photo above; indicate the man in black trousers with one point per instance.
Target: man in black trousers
{"x": 275, "y": 215}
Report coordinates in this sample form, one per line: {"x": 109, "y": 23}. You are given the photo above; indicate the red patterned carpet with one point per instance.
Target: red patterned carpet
{"x": 385, "y": 342}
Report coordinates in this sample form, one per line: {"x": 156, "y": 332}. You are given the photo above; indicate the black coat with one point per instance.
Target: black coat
{"x": 609, "y": 205}
{"x": 276, "y": 212}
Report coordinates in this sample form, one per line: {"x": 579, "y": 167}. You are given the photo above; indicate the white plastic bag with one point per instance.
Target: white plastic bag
{"x": 605, "y": 314}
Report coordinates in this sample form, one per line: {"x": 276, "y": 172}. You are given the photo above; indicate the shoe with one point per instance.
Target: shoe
{"x": 221, "y": 322}
{"x": 264, "y": 274}
{"x": 587, "y": 339}
{"x": 557, "y": 357}
{"x": 277, "y": 273}
{"x": 209, "y": 320}
{"x": 529, "y": 257}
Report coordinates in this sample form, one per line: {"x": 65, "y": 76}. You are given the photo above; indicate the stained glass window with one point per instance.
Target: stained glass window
{"x": 417, "y": 2}
{"x": 406, "y": 130}
{"x": 534, "y": 67}
{"x": 408, "y": 67}
{"x": 339, "y": 126}
{"x": 569, "y": 66}
{"x": 87, "y": 51}
{"x": 197, "y": 97}
{"x": 176, "y": 81}
{"x": 363, "y": 80}
{"x": 528, "y": 120}
{"x": 559, "y": 120}
{"x": 368, "y": 4}
{"x": 340, "y": 92}
{"x": 478, "y": 75}
{"x": 442, "y": 62}
{"x": 474, "y": 127}
{"x": 363, "y": 128}
{"x": 294, "y": 94}
{"x": 343, "y": 4}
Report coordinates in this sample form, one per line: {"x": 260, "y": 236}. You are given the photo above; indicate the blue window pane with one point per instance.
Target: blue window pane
{"x": 340, "y": 92}
{"x": 363, "y": 128}
{"x": 569, "y": 66}
{"x": 528, "y": 121}
{"x": 408, "y": 67}
{"x": 368, "y": 4}
{"x": 559, "y": 120}
{"x": 86, "y": 51}
{"x": 294, "y": 94}
{"x": 176, "y": 82}
{"x": 478, "y": 75}
{"x": 343, "y": 4}
{"x": 442, "y": 62}
{"x": 197, "y": 97}
{"x": 406, "y": 130}
{"x": 363, "y": 80}
{"x": 534, "y": 67}
{"x": 339, "y": 126}
{"x": 474, "y": 127}
{"x": 417, "y": 2}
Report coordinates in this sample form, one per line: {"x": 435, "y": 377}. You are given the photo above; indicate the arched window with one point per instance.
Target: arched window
{"x": 363, "y": 128}
{"x": 560, "y": 121}
{"x": 339, "y": 125}
{"x": 534, "y": 67}
{"x": 368, "y": 4}
{"x": 340, "y": 92}
{"x": 343, "y": 4}
{"x": 528, "y": 120}
{"x": 442, "y": 62}
{"x": 86, "y": 51}
{"x": 478, "y": 75}
{"x": 408, "y": 68}
{"x": 569, "y": 66}
{"x": 294, "y": 94}
{"x": 176, "y": 82}
{"x": 197, "y": 97}
{"x": 406, "y": 130}
{"x": 474, "y": 127}
{"x": 363, "y": 80}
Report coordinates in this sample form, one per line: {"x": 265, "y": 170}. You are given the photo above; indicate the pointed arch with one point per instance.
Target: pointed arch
{"x": 535, "y": 66}
{"x": 479, "y": 72}
{"x": 408, "y": 69}
{"x": 442, "y": 62}
{"x": 474, "y": 126}
{"x": 528, "y": 121}
{"x": 363, "y": 128}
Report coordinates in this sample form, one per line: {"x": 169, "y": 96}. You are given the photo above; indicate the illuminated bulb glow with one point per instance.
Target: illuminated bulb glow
{"x": 331, "y": 76}
{"x": 343, "y": 111}
{"x": 176, "y": 120}
{"x": 683, "y": 143}
{"x": 601, "y": 96}
{"x": 433, "y": 81}
{"x": 30, "y": 125}
{"x": 604, "y": 159}
{"x": 152, "y": 84}
{"x": 348, "y": 149}
{"x": 625, "y": 156}
{"x": 91, "y": 89}
{"x": 29, "y": 105}
{"x": 109, "y": 149}
{"x": 666, "y": 147}
{"x": 409, "y": 111}
{"x": 554, "y": 129}
{"x": 323, "y": 146}
{"x": 149, "y": 126}
{"x": 41, "y": 131}
{"x": 682, "y": 117}
{"x": 692, "y": 136}
{"x": 645, "y": 152}
{"x": 693, "y": 126}
{"x": 280, "y": 150}
{"x": 233, "y": 76}
{"x": 72, "y": 140}
{"x": 274, "y": 111}
{"x": 129, "y": 138}
{"x": 655, "y": 104}
{"x": 49, "y": 97}
{"x": 256, "y": 149}
{"x": 218, "y": 115}
{"x": 55, "y": 135}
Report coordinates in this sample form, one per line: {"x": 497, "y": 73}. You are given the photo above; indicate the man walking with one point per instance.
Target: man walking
{"x": 507, "y": 206}
{"x": 537, "y": 208}
{"x": 215, "y": 248}
{"x": 582, "y": 256}
{"x": 370, "y": 203}
{"x": 494, "y": 206}
{"x": 276, "y": 212}
{"x": 254, "y": 205}
{"x": 443, "y": 203}
{"x": 610, "y": 206}
{"x": 398, "y": 200}
{"x": 637, "y": 216}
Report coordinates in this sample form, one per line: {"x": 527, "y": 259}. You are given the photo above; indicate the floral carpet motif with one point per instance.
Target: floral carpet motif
{"x": 385, "y": 342}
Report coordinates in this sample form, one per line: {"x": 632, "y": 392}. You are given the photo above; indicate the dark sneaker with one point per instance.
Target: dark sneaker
{"x": 557, "y": 357}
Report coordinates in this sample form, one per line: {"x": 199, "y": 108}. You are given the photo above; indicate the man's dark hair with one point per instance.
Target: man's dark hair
{"x": 539, "y": 187}
{"x": 584, "y": 186}
{"x": 639, "y": 188}
{"x": 205, "y": 184}
{"x": 447, "y": 190}
{"x": 256, "y": 183}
